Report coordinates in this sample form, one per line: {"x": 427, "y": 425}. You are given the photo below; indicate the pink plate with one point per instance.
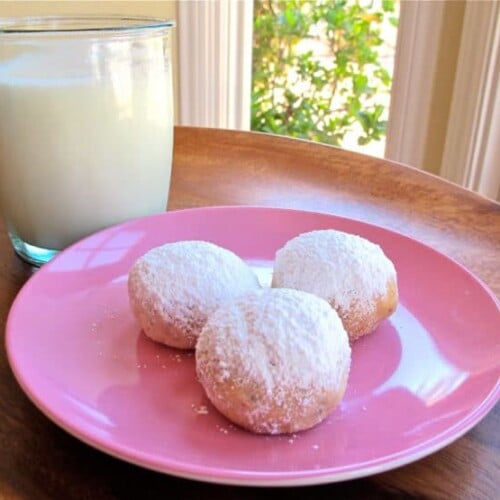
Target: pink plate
{"x": 424, "y": 378}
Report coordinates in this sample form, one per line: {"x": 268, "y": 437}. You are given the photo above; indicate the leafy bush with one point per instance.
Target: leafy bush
{"x": 298, "y": 93}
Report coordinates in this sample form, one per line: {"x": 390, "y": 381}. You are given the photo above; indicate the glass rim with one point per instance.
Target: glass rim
{"x": 98, "y": 23}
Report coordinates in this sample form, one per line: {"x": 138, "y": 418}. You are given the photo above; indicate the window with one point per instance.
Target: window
{"x": 215, "y": 59}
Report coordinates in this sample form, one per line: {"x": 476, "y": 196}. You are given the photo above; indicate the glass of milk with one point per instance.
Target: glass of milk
{"x": 86, "y": 126}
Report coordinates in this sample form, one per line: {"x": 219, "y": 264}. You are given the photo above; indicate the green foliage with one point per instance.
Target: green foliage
{"x": 297, "y": 93}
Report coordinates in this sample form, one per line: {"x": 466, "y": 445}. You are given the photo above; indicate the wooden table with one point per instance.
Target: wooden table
{"x": 38, "y": 460}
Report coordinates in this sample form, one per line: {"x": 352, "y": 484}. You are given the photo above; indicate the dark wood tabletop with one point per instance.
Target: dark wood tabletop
{"x": 38, "y": 460}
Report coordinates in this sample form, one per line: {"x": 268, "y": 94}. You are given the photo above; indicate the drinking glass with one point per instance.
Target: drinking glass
{"x": 86, "y": 126}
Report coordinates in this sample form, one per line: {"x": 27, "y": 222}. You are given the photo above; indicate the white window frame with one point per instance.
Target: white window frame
{"x": 411, "y": 94}
{"x": 215, "y": 63}
{"x": 472, "y": 148}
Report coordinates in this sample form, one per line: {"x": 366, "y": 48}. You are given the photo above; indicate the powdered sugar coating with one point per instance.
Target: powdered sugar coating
{"x": 175, "y": 287}
{"x": 274, "y": 360}
{"x": 350, "y": 272}
{"x": 333, "y": 264}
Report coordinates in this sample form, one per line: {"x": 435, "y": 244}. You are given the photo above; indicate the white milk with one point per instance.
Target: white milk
{"x": 77, "y": 156}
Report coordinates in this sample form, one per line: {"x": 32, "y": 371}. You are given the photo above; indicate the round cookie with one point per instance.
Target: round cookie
{"x": 274, "y": 361}
{"x": 175, "y": 287}
{"x": 350, "y": 272}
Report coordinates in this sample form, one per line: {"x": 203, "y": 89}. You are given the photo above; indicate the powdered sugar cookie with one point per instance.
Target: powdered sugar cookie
{"x": 350, "y": 272}
{"x": 274, "y": 361}
{"x": 175, "y": 287}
